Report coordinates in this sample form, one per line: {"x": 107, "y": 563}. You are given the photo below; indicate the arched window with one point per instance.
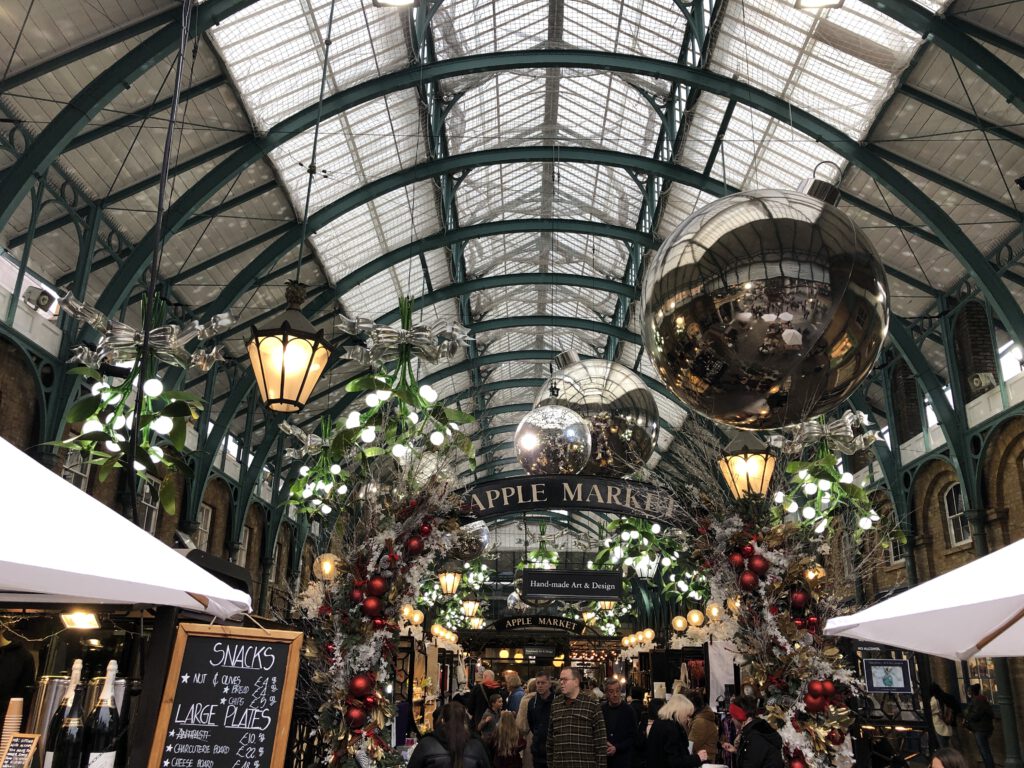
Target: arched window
{"x": 957, "y": 523}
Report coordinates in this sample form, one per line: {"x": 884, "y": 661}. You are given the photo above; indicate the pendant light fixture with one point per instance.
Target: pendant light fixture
{"x": 289, "y": 357}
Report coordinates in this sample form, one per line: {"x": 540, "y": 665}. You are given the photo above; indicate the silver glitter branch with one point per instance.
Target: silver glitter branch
{"x": 430, "y": 342}
{"x": 847, "y": 435}
{"x": 120, "y": 342}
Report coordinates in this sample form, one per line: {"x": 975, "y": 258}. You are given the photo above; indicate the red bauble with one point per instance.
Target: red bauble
{"x": 329, "y": 647}
{"x": 799, "y": 622}
{"x": 815, "y": 688}
{"x": 836, "y": 737}
{"x": 797, "y": 763}
{"x": 324, "y": 610}
{"x": 356, "y": 595}
{"x": 372, "y": 606}
{"x": 379, "y": 623}
{"x": 425, "y": 529}
{"x": 377, "y": 586}
{"x": 747, "y": 550}
{"x": 361, "y": 685}
{"x": 759, "y": 565}
{"x": 736, "y": 560}
{"x": 748, "y": 581}
{"x": 355, "y": 717}
{"x": 815, "y": 703}
{"x": 828, "y": 688}
{"x": 798, "y": 599}
{"x": 414, "y": 545}
{"x": 812, "y": 621}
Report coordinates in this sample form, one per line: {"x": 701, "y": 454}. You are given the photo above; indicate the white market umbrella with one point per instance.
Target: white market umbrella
{"x": 792, "y": 337}
{"x": 786, "y": 317}
{"x": 59, "y": 544}
{"x": 974, "y": 610}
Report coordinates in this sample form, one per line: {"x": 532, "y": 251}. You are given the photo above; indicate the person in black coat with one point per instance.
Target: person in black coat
{"x": 668, "y": 746}
{"x": 451, "y": 744}
{"x": 619, "y": 725}
{"x": 758, "y": 744}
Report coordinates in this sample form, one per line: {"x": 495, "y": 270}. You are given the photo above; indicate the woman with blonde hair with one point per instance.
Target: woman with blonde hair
{"x": 667, "y": 743}
{"x": 507, "y": 744}
{"x": 523, "y": 720}
{"x": 514, "y": 684}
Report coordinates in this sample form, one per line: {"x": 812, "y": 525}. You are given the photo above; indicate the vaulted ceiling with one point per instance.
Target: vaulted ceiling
{"x": 510, "y": 165}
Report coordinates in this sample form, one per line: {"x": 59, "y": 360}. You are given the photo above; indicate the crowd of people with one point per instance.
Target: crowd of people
{"x": 558, "y": 720}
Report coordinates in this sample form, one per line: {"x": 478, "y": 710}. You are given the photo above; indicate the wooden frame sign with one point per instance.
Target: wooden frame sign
{"x": 20, "y": 750}
{"x": 228, "y": 697}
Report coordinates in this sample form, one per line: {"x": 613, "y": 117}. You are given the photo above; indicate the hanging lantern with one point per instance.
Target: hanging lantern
{"x": 588, "y": 616}
{"x": 449, "y": 578}
{"x": 477, "y": 622}
{"x": 326, "y": 566}
{"x": 645, "y": 566}
{"x": 289, "y": 357}
{"x": 747, "y": 466}
{"x": 470, "y": 607}
{"x": 605, "y": 605}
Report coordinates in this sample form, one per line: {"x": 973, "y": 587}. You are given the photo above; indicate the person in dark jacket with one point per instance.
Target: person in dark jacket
{"x": 480, "y": 699}
{"x": 538, "y": 716}
{"x": 451, "y": 744}
{"x": 667, "y": 743}
{"x": 978, "y": 717}
{"x": 758, "y": 744}
{"x": 619, "y": 725}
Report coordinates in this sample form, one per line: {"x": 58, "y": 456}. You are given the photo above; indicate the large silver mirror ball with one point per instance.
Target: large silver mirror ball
{"x": 619, "y": 408}
{"x": 765, "y": 309}
{"x": 552, "y": 440}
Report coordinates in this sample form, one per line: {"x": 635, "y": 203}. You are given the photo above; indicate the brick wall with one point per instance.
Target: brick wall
{"x": 218, "y": 496}
{"x": 974, "y": 350}
{"x": 906, "y": 402}
{"x": 19, "y": 401}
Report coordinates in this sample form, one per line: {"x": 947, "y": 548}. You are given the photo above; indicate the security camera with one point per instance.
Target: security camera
{"x": 39, "y": 299}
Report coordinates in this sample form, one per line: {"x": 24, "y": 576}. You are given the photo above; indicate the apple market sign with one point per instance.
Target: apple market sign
{"x": 519, "y": 494}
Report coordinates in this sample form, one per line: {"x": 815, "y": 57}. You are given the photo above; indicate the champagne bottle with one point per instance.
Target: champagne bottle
{"x": 62, "y": 711}
{"x": 101, "y": 727}
{"x": 67, "y": 747}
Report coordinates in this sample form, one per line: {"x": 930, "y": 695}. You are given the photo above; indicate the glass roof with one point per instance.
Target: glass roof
{"x": 838, "y": 64}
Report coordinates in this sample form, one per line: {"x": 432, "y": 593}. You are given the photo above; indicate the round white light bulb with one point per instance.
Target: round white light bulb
{"x": 368, "y": 435}
{"x": 808, "y": 513}
{"x": 846, "y": 478}
{"x": 372, "y": 400}
{"x": 153, "y": 388}
{"x": 436, "y": 438}
{"x": 352, "y": 421}
{"x": 162, "y": 425}
{"x": 428, "y": 393}
{"x": 810, "y": 489}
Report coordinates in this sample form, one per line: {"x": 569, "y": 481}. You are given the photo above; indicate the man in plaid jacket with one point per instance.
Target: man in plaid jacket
{"x": 576, "y": 734}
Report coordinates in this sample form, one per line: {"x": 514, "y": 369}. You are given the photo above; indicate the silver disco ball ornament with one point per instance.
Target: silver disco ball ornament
{"x": 765, "y": 309}
{"x": 470, "y": 541}
{"x": 552, "y": 440}
{"x": 619, "y": 409}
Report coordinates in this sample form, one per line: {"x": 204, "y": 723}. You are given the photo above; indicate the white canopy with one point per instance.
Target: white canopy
{"x": 974, "y": 610}
{"x": 58, "y": 544}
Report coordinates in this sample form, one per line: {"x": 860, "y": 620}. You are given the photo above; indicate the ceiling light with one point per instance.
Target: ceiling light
{"x": 80, "y": 620}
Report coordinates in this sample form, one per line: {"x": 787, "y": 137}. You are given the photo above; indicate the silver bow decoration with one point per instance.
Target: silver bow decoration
{"x": 430, "y": 342}
{"x": 120, "y": 342}
{"x": 847, "y": 435}
{"x": 312, "y": 445}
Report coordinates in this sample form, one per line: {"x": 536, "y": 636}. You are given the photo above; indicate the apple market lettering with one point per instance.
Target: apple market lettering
{"x": 575, "y": 493}
{"x": 242, "y": 656}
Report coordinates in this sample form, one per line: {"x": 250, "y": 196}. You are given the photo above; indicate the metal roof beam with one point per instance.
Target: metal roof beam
{"x": 79, "y": 52}
{"x": 987, "y": 35}
{"x": 952, "y": 38}
{"x": 54, "y": 139}
{"x": 130, "y": 191}
{"x": 497, "y": 386}
{"x": 920, "y": 204}
{"x": 987, "y": 126}
{"x": 954, "y": 186}
{"x": 155, "y": 108}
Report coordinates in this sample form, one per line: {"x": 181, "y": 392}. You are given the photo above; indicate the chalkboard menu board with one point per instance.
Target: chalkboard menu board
{"x": 19, "y": 751}
{"x": 227, "y": 701}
